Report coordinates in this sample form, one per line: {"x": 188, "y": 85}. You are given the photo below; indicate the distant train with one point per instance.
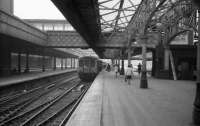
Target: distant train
{"x": 89, "y": 67}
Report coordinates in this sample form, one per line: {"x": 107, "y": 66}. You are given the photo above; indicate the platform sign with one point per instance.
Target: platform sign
{"x": 151, "y": 39}
{"x": 180, "y": 40}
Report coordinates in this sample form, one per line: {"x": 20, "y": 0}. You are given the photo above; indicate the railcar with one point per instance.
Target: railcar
{"x": 89, "y": 67}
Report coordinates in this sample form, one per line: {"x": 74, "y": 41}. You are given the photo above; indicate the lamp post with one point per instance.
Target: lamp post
{"x": 129, "y": 48}
{"x": 143, "y": 80}
{"x": 122, "y": 62}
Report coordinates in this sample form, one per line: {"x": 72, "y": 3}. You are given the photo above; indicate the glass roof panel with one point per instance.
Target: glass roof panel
{"x": 116, "y": 14}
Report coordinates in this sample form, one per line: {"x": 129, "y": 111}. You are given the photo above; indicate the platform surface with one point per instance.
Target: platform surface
{"x": 5, "y": 81}
{"x": 112, "y": 102}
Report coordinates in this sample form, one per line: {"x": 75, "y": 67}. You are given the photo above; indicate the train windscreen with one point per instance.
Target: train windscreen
{"x": 81, "y": 63}
{"x": 92, "y": 63}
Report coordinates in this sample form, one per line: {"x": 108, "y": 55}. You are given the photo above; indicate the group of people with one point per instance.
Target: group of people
{"x": 128, "y": 72}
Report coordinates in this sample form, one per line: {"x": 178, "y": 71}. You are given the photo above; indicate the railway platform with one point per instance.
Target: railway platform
{"x": 112, "y": 102}
{"x": 15, "y": 79}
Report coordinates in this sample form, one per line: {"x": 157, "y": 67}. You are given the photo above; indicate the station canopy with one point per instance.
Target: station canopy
{"x": 97, "y": 21}
{"x": 116, "y": 14}
{"x": 114, "y": 17}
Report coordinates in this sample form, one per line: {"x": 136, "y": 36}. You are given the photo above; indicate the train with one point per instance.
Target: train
{"x": 89, "y": 67}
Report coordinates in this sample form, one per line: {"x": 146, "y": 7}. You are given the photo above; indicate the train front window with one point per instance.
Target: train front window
{"x": 80, "y": 63}
{"x": 92, "y": 63}
{"x": 87, "y": 63}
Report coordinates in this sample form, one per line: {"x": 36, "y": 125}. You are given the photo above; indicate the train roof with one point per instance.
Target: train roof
{"x": 89, "y": 57}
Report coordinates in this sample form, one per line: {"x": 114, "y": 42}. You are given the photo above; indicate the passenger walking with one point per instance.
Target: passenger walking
{"x": 116, "y": 70}
{"x": 129, "y": 74}
{"x": 139, "y": 68}
{"x": 108, "y": 68}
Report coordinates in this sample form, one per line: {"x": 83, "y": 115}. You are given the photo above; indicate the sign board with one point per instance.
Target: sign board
{"x": 151, "y": 38}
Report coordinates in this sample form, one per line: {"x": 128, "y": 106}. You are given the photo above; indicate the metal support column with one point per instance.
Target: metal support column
{"x": 65, "y": 63}
{"x": 27, "y": 63}
{"x": 143, "y": 81}
{"x": 122, "y": 68}
{"x": 71, "y": 63}
{"x": 122, "y": 63}
{"x": 19, "y": 62}
{"x": 43, "y": 60}
{"x": 54, "y": 63}
{"x": 196, "y": 110}
{"x": 61, "y": 63}
{"x": 153, "y": 63}
{"x": 166, "y": 58}
{"x": 43, "y": 63}
{"x": 129, "y": 49}
{"x": 74, "y": 63}
{"x": 129, "y": 56}
{"x": 119, "y": 62}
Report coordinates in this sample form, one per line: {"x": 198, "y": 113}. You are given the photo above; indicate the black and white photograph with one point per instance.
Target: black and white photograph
{"x": 99, "y": 63}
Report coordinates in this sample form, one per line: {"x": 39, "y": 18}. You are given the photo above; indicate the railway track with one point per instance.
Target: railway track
{"x": 53, "y": 111}
{"x": 60, "y": 117}
{"x": 11, "y": 95}
{"x": 12, "y": 106}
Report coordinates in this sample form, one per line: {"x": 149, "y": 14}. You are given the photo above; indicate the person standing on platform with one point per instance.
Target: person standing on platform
{"x": 116, "y": 70}
{"x": 179, "y": 71}
{"x": 129, "y": 74}
{"x": 139, "y": 68}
